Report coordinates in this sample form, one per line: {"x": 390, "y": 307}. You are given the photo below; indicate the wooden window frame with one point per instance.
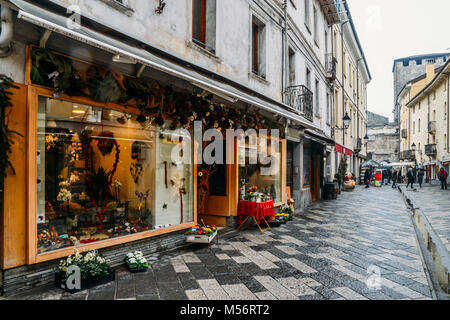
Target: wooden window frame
{"x": 283, "y": 151}
{"x": 33, "y": 93}
{"x": 202, "y": 41}
{"x": 255, "y": 48}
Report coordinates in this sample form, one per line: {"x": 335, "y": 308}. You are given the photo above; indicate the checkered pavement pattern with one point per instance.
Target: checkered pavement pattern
{"x": 328, "y": 252}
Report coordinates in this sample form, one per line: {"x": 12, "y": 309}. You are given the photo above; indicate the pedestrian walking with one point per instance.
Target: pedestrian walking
{"x": 410, "y": 177}
{"x": 443, "y": 175}
{"x": 367, "y": 177}
{"x": 389, "y": 173}
{"x": 420, "y": 175}
{"x": 394, "y": 179}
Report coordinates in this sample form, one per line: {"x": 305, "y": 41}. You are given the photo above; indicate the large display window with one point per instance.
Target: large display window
{"x": 103, "y": 175}
{"x": 266, "y": 176}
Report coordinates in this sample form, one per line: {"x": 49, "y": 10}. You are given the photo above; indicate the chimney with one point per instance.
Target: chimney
{"x": 430, "y": 72}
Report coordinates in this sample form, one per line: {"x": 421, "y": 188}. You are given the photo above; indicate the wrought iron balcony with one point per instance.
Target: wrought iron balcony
{"x": 332, "y": 10}
{"x": 432, "y": 127}
{"x": 407, "y": 155}
{"x": 330, "y": 66}
{"x": 430, "y": 150}
{"x": 301, "y": 99}
{"x": 404, "y": 133}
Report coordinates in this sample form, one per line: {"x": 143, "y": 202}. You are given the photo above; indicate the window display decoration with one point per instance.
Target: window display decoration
{"x": 136, "y": 262}
{"x": 6, "y": 135}
{"x": 135, "y": 170}
{"x": 99, "y": 180}
{"x": 107, "y": 144}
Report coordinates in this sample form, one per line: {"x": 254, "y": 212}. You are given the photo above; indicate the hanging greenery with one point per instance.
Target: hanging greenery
{"x": 6, "y": 135}
{"x": 156, "y": 103}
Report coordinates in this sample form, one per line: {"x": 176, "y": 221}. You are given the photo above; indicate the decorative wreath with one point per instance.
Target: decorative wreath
{"x": 106, "y": 143}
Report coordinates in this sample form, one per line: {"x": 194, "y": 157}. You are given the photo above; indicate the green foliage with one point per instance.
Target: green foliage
{"x": 6, "y": 135}
{"x": 342, "y": 170}
{"x": 99, "y": 179}
{"x": 91, "y": 264}
{"x": 53, "y": 70}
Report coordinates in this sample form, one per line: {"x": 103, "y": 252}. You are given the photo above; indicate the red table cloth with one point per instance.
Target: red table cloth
{"x": 259, "y": 210}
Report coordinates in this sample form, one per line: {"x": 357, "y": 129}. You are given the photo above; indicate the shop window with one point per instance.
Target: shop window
{"x": 268, "y": 181}
{"x": 102, "y": 175}
{"x": 258, "y": 47}
{"x": 204, "y": 24}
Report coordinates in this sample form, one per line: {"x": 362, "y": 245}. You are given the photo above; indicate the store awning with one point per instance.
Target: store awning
{"x": 318, "y": 137}
{"x": 370, "y": 163}
{"x": 343, "y": 150}
{"x": 58, "y": 23}
{"x": 446, "y": 159}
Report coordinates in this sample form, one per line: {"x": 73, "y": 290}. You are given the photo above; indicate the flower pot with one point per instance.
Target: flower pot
{"x": 86, "y": 283}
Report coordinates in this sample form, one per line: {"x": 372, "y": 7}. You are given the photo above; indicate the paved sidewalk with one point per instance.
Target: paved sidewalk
{"x": 323, "y": 254}
{"x": 435, "y": 204}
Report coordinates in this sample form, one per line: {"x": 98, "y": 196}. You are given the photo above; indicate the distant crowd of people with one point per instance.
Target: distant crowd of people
{"x": 412, "y": 176}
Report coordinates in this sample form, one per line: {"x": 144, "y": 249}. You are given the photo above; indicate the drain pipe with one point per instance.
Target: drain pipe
{"x": 7, "y": 31}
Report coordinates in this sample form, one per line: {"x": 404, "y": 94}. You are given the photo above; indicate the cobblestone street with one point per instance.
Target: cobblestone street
{"x": 325, "y": 253}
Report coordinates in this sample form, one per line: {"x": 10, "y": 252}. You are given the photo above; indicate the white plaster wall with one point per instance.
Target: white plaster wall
{"x": 13, "y": 66}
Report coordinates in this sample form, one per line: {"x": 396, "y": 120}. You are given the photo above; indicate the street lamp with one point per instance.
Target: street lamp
{"x": 413, "y": 148}
{"x": 366, "y": 139}
{"x": 346, "y": 120}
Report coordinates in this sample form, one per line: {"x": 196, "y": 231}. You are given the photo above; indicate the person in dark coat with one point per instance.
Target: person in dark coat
{"x": 420, "y": 175}
{"x": 410, "y": 177}
{"x": 367, "y": 177}
{"x": 443, "y": 175}
{"x": 394, "y": 179}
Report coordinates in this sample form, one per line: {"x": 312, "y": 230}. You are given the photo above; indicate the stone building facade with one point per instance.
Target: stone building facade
{"x": 409, "y": 68}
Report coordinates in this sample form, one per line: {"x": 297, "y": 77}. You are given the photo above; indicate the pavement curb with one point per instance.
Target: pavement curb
{"x": 434, "y": 254}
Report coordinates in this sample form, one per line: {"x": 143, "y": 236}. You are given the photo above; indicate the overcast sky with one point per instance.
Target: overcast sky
{"x": 392, "y": 29}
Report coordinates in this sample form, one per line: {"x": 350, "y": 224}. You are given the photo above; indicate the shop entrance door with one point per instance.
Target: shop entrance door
{"x": 316, "y": 177}
{"x": 290, "y": 165}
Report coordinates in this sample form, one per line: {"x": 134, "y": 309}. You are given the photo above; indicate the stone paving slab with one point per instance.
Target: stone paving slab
{"x": 328, "y": 252}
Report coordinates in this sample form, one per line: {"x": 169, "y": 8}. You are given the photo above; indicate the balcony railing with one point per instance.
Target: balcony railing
{"x": 404, "y": 133}
{"x": 432, "y": 127}
{"x": 430, "y": 150}
{"x": 301, "y": 99}
{"x": 407, "y": 155}
{"x": 330, "y": 66}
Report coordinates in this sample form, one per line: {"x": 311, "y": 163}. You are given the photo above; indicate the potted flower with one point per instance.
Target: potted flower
{"x": 201, "y": 234}
{"x": 136, "y": 262}
{"x": 94, "y": 270}
{"x": 251, "y": 194}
